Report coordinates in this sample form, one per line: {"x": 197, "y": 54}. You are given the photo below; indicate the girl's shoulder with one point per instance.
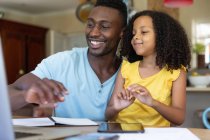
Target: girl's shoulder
{"x": 174, "y": 73}
{"x": 127, "y": 67}
{"x": 126, "y": 63}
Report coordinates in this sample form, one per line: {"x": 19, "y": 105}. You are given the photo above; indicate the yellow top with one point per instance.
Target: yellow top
{"x": 159, "y": 86}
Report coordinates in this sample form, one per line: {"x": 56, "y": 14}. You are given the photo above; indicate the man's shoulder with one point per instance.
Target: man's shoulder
{"x": 79, "y": 50}
{"x": 74, "y": 52}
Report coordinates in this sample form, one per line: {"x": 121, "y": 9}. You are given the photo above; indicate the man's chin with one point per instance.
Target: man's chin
{"x": 94, "y": 53}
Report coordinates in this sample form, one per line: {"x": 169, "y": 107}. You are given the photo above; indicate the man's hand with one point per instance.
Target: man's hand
{"x": 45, "y": 91}
{"x": 43, "y": 110}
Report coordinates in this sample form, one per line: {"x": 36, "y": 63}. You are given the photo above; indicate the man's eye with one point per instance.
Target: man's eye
{"x": 90, "y": 25}
{"x": 105, "y": 27}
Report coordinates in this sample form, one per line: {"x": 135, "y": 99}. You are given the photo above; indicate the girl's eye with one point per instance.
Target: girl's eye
{"x": 144, "y": 32}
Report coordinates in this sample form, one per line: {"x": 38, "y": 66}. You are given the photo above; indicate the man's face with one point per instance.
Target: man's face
{"x": 103, "y": 31}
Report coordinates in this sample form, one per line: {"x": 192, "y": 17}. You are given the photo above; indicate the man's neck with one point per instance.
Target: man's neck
{"x": 104, "y": 66}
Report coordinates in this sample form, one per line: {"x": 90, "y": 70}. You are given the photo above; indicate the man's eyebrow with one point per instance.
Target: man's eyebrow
{"x": 90, "y": 19}
{"x": 105, "y": 21}
{"x": 100, "y": 21}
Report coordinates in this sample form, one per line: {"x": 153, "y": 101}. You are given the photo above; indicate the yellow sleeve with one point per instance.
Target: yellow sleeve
{"x": 176, "y": 73}
{"x": 125, "y": 68}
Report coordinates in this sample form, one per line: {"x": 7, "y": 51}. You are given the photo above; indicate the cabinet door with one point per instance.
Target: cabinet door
{"x": 14, "y": 54}
{"x": 23, "y": 47}
{"x": 35, "y": 46}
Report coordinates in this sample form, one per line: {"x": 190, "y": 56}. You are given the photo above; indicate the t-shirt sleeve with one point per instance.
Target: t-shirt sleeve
{"x": 45, "y": 68}
{"x": 124, "y": 68}
{"x": 176, "y": 73}
{"x": 50, "y": 66}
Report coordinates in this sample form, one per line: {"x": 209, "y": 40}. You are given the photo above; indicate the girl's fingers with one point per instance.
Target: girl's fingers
{"x": 136, "y": 88}
{"x": 119, "y": 95}
{"x": 124, "y": 95}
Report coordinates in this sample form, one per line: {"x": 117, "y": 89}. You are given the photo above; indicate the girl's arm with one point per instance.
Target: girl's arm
{"x": 120, "y": 99}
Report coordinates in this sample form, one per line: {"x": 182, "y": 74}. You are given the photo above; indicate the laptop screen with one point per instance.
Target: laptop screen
{"x": 6, "y": 128}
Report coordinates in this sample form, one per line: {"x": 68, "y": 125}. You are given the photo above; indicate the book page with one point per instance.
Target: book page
{"x": 74, "y": 121}
{"x": 47, "y": 122}
{"x": 33, "y": 122}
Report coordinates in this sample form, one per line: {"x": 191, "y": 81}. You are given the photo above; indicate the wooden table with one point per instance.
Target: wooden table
{"x": 203, "y": 134}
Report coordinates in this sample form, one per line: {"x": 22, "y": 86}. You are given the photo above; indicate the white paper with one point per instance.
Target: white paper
{"x": 161, "y": 134}
{"x": 47, "y": 122}
{"x": 74, "y": 121}
{"x": 33, "y": 122}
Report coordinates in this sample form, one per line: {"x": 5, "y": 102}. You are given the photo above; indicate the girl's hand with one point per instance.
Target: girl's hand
{"x": 141, "y": 93}
{"x": 124, "y": 99}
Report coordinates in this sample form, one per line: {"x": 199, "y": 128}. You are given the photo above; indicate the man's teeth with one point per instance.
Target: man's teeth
{"x": 95, "y": 42}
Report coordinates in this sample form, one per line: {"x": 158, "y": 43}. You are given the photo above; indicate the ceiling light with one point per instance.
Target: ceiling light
{"x": 177, "y": 3}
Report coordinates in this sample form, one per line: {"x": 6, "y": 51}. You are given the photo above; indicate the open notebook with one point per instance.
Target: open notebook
{"x": 22, "y": 132}
{"x": 53, "y": 121}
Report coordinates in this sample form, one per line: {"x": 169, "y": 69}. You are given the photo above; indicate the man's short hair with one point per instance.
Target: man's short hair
{"x": 116, "y": 4}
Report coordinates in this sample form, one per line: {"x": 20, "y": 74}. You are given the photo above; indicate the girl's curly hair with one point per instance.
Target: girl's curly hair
{"x": 172, "y": 44}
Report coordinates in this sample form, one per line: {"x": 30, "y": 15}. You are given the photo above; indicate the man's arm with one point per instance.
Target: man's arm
{"x": 18, "y": 90}
{"x": 29, "y": 89}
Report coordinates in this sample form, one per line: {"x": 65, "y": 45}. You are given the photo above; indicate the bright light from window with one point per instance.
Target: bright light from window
{"x": 203, "y": 36}
{"x": 203, "y": 31}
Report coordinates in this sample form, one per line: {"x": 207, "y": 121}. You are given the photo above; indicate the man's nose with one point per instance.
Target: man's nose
{"x": 95, "y": 31}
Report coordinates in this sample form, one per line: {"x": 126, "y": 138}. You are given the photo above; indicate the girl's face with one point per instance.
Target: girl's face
{"x": 143, "y": 40}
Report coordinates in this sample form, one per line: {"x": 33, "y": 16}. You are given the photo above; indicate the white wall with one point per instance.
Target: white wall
{"x": 57, "y": 42}
{"x": 199, "y": 11}
{"x": 66, "y": 22}
{"x": 17, "y": 16}
{"x": 140, "y": 4}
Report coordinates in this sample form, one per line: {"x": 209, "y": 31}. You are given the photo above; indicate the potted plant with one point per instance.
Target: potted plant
{"x": 199, "y": 49}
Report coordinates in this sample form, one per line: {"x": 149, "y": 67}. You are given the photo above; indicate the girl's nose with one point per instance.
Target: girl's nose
{"x": 137, "y": 36}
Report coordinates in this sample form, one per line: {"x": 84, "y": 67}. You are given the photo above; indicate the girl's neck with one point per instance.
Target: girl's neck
{"x": 149, "y": 63}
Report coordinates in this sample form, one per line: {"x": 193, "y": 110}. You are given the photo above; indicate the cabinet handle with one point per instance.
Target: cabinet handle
{"x": 21, "y": 72}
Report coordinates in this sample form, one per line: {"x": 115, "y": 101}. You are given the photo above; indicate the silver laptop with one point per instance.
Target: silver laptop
{"x": 21, "y": 132}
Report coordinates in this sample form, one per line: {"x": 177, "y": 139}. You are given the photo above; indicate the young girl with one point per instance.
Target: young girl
{"x": 151, "y": 85}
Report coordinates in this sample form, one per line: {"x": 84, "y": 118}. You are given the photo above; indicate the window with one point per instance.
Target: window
{"x": 202, "y": 35}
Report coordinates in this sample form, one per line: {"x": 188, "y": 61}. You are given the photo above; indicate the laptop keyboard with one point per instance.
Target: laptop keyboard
{"x": 24, "y": 134}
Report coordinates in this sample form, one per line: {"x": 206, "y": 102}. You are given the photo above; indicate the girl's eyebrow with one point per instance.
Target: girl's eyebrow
{"x": 144, "y": 27}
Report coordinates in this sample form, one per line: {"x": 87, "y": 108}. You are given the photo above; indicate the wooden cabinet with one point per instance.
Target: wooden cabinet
{"x": 23, "y": 47}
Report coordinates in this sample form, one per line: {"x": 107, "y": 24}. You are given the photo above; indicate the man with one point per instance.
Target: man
{"x": 87, "y": 75}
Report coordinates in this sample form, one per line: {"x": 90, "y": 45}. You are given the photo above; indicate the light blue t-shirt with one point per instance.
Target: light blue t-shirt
{"x": 88, "y": 97}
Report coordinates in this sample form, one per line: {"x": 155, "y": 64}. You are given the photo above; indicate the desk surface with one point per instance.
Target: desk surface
{"x": 203, "y": 134}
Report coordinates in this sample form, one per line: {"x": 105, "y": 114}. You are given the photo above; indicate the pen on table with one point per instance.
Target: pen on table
{"x": 50, "y": 117}
{"x": 53, "y": 115}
